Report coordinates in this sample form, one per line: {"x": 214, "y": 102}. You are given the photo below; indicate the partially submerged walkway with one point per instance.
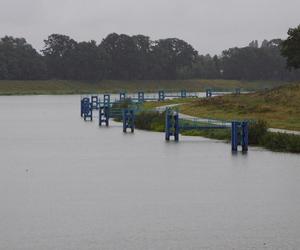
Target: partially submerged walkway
{"x": 217, "y": 122}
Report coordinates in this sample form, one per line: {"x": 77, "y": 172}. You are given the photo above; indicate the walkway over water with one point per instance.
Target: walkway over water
{"x": 126, "y": 108}
{"x": 162, "y": 95}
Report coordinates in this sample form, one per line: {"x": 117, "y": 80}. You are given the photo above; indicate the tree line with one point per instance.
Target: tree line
{"x": 123, "y": 57}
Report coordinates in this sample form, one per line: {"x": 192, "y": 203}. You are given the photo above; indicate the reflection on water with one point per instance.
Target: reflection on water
{"x": 66, "y": 184}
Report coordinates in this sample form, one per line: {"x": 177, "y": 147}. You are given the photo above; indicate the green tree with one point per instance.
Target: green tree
{"x": 143, "y": 46}
{"x": 120, "y": 55}
{"x": 170, "y": 56}
{"x": 20, "y": 61}
{"x": 57, "y": 51}
{"x": 86, "y": 62}
{"x": 291, "y": 48}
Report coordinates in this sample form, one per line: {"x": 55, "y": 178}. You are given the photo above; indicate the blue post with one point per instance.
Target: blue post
{"x": 245, "y": 135}
{"x": 122, "y": 96}
{"x": 237, "y": 91}
{"x": 172, "y": 125}
{"x": 141, "y": 96}
{"x": 87, "y": 109}
{"x": 95, "y": 102}
{"x": 104, "y": 116}
{"x": 168, "y": 124}
{"x": 208, "y": 93}
{"x": 128, "y": 120}
{"x": 183, "y": 93}
{"x": 106, "y": 101}
{"x": 132, "y": 120}
{"x": 81, "y": 107}
{"x": 176, "y": 126}
{"x": 234, "y": 136}
{"x": 239, "y": 135}
{"x": 161, "y": 95}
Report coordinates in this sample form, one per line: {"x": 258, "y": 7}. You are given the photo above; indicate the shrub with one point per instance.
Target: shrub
{"x": 257, "y": 131}
{"x": 281, "y": 142}
{"x": 150, "y": 120}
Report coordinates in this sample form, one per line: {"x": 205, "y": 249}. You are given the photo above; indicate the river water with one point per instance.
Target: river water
{"x": 67, "y": 184}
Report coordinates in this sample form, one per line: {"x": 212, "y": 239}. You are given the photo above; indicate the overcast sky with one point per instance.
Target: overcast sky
{"x": 209, "y": 25}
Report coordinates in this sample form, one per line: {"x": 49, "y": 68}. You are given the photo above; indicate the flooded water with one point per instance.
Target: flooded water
{"x": 67, "y": 184}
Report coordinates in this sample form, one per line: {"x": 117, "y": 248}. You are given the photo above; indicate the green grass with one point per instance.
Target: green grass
{"x": 279, "y": 107}
{"x": 57, "y": 87}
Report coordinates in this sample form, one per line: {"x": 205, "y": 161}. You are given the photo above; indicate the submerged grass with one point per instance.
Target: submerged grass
{"x": 258, "y": 134}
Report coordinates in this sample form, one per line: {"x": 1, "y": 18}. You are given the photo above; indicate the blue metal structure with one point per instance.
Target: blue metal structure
{"x": 104, "y": 110}
{"x": 237, "y": 91}
{"x": 172, "y": 124}
{"x": 104, "y": 115}
{"x": 161, "y": 95}
{"x": 86, "y": 109}
{"x": 141, "y": 97}
{"x": 95, "y": 100}
{"x": 81, "y": 107}
{"x": 208, "y": 93}
{"x": 122, "y": 96}
{"x": 106, "y": 100}
{"x": 239, "y": 130}
{"x": 239, "y": 135}
{"x": 128, "y": 120}
{"x": 211, "y": 92}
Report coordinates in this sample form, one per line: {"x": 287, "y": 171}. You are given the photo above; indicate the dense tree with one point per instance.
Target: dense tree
{"x": 291, "y": 48}
{"x": 86, "y": 62}
{"x": 143, "y": 46}
{"x": 254, "y": 63}
{"x": 206, "y": 67}
{"x": 58, "y": 52}
{"x": 18, "y": 60}
{"x": 124, "y": 57}
{"x": 121, "y": 56}
{"x": 170, "y": 56}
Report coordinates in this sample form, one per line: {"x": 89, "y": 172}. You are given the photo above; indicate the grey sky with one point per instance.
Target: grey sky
{"x": 209, "y": 25}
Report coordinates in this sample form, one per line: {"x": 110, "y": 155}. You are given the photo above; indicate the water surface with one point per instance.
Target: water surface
{"x": 67, "y": 184}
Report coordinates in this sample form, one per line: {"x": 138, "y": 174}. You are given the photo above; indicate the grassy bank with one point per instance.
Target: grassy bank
{"x": 279, "y": 107}
{"x": 276, "y": 108}
{"x": 57, "y": 87}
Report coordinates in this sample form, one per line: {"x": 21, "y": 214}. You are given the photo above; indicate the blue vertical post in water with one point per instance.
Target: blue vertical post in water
{"x": 239, "y": 135}
{"x": 128, "y": 120}
{"x": 87, "y": 111}
{"x": 234, "y": 136}
{"x": 122, "y": 96}
{"x": 141, "y": 97}
{"x": 104, "y": 111}
{"x": 81, "y": 107}
{"x": 104, "y": 116}
{"x": 245, "y": 136}
{"x": 172, "y": 125}
{"x": 237, "y": 91}
{"x": 183, "y": 93}
{"x": 208, "y": 93}
{"x": 95, "y": 102}
{"x": 106, "y": 100}
{"x": 161, "y": 95}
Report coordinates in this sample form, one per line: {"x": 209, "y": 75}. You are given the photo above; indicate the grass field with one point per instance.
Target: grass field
{"x": 279, "y": 107}
{"x": 56, "y": 87}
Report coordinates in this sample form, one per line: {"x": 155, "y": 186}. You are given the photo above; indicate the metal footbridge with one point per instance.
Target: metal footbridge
{"x": 126, "y": 107}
